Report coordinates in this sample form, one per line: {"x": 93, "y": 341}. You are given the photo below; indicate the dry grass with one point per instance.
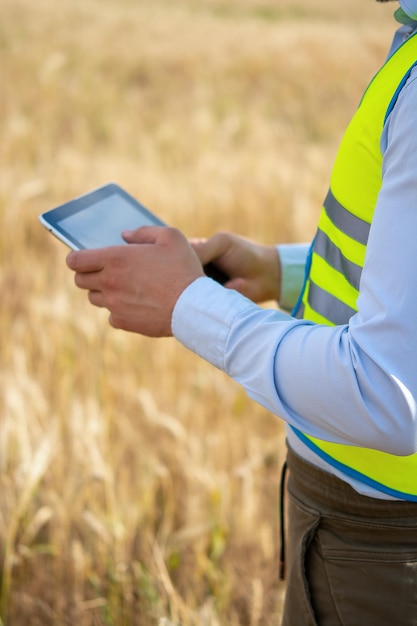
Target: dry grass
{"x": 139, "y": 485}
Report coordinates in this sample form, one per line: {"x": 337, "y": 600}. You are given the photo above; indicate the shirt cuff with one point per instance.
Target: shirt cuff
{"x": 203, "y": 317}
{"x": 292, "y": 259}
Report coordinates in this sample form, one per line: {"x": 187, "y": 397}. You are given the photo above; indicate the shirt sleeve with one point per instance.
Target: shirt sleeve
{"x": 353, "y": 384}
{"x": 292, "y": 260}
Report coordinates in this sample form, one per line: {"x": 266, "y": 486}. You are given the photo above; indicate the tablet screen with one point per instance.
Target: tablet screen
{"x": 104, "y": 221}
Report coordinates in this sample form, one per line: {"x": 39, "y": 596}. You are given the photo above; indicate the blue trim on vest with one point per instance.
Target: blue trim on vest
{"x": 306, "y": 275}
{"x": 397, "y": 92}
{"x": 349, "y": 471}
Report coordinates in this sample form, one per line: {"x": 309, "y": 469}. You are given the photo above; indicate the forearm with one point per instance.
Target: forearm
{"x": 330, "y": 382}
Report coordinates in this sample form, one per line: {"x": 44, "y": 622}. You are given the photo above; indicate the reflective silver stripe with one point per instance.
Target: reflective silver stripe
{"x": 353, "y": 226}
{"x": 328, "y": 305}
{"x": 325, "y": 248}
{"x": 299, "y": 313}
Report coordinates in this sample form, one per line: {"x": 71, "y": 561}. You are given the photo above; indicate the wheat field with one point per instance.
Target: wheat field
{"x": 138, "y": 485}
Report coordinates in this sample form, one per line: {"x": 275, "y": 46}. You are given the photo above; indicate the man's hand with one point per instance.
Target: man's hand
{"x": 254, "y": 269}
{"x": 139, "y": 283}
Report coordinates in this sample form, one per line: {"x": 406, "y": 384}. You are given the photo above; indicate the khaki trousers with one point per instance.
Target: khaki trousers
{"x": 352, "y": 560}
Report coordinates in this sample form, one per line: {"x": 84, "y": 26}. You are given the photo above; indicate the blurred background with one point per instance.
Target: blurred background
{"x": 138, "y": 485}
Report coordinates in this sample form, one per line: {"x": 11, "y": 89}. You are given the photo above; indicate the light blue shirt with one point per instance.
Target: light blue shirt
{"x": 353, "y": 384}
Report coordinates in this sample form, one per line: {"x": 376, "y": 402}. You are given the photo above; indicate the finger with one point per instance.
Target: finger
{"x": 96, "y": 298}
{"x": 241, "y": 285}
{"x": 144, "y": 234}
{"x": 195, "y": 241}
{"x": 212, "y": 248}
{"x": 87, "y": 280}
{"x": 245, "y": 287}
{"x": 86, "y": 260}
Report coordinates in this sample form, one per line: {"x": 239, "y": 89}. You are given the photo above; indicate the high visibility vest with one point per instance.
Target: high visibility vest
{"x": 337, "y": 257}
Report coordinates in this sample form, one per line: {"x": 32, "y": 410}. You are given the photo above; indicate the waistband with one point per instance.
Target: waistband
{"x": 331, "y": 495}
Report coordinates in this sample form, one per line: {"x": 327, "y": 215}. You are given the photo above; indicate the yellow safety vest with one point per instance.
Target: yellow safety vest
{"x": 337, "y": 257}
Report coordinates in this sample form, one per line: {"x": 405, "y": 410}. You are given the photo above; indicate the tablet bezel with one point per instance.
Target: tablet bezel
{"x": 51, "y": 219}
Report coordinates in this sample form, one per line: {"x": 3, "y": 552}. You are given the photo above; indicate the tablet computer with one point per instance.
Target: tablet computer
{"x": 97, "y": 219}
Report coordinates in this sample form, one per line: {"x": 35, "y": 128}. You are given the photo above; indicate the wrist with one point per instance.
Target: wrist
{"x": 272, "y": 273}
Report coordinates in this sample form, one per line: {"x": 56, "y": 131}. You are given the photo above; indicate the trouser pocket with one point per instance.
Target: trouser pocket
{"x": 363, "y": 572}
{"x": 302, "y": 526}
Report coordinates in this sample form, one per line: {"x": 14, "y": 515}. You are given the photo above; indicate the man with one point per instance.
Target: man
{"x": 341, "y": 371}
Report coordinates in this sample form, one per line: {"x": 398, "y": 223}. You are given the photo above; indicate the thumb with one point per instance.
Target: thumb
{"x": 209, "y": 249}
{"x": 144, "y": 234}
